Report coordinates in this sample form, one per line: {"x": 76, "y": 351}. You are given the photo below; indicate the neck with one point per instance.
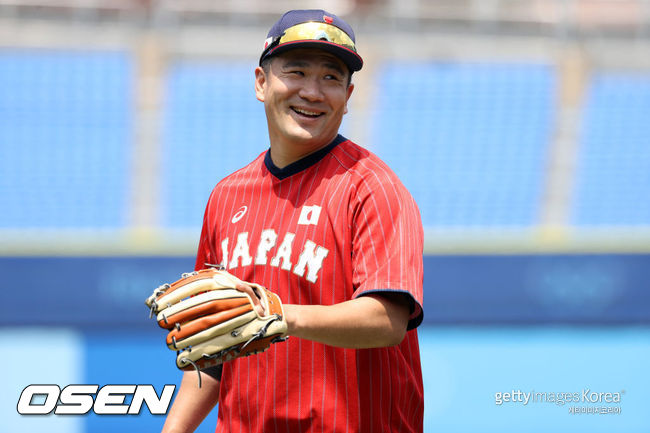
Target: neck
{"x": 282, "y": 155}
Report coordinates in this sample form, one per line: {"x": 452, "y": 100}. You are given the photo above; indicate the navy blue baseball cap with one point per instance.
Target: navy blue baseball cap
{"x": 313, "y": 28}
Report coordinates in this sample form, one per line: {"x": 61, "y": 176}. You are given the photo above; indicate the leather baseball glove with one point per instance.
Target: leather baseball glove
{"x": 211, "y": 322}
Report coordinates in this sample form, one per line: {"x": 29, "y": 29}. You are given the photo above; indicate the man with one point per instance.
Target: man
{"x": 328, "y": 227}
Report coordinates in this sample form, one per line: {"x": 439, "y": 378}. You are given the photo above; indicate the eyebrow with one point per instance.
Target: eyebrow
{"x": 335, "y": 66}
{"x": 297, "y": 63}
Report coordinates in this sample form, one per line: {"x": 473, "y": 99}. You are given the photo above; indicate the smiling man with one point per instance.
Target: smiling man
{"x": 327, "y": 226}
{"x": 305, "y": 93}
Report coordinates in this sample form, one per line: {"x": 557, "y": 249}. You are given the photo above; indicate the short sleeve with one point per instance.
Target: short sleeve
{"x": 205, "y": 253}
{"x": 388, "y": 242}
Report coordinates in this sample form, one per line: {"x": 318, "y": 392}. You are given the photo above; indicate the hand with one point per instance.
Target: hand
{"x": 252, "y": 292}
{"x": 214, "y": 317}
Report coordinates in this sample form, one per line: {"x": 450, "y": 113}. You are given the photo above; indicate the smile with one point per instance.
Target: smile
{"x": 308, "y": 113}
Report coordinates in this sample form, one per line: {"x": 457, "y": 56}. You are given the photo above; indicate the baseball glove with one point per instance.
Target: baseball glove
{"x": 211, "y": 322}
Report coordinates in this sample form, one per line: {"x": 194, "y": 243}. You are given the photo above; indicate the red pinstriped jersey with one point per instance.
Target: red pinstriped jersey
{"x": 331, "y": 227}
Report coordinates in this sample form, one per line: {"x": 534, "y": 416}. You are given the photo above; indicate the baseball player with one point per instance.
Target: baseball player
{"x": 329, "y": 228}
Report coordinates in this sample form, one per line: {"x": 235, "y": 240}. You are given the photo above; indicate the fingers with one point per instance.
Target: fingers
{"x": 250, "y": 291}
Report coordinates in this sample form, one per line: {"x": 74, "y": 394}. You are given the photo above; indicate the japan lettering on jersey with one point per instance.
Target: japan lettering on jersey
{"x": 331, "y": 227}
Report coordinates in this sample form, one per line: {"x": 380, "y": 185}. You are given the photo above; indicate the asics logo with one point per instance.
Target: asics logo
{"x": 239, "y": 215}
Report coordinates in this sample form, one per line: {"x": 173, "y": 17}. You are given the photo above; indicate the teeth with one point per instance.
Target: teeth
{"x": 305, "y": 112}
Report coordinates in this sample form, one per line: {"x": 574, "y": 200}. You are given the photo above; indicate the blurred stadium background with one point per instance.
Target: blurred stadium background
{"x": 520, "y": 126}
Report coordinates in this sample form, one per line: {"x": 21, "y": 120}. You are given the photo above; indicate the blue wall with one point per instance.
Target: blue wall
{"x": 521, "y": 289}
{"x": 492, "y": 324}
{"x": 463, "y": 368}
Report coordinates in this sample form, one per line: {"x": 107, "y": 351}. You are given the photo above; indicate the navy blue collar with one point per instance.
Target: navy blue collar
{"x": 301, "y": 164}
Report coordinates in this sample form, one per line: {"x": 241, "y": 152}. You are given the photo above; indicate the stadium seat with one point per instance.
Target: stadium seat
{"x": 65, "y": 134}
{"x": 613, "y": 173}
{"x": 468, "y": 140}
{"x": 214, "y": 126}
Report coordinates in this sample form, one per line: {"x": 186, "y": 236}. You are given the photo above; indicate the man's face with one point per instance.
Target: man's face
{"x": 305, "y": 93}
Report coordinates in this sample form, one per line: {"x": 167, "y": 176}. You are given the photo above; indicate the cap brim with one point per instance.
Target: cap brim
{"x": 349, "y": 57}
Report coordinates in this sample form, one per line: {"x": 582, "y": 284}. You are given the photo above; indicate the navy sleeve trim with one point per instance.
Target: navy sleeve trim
{"x": 414, "y": 305}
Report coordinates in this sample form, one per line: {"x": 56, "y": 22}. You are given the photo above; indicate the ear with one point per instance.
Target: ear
{"x": 260, "y": 83}
{"x": 347, "y": 97}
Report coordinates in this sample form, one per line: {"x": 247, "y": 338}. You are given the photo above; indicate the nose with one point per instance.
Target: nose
{"x": 311, "y": 90}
